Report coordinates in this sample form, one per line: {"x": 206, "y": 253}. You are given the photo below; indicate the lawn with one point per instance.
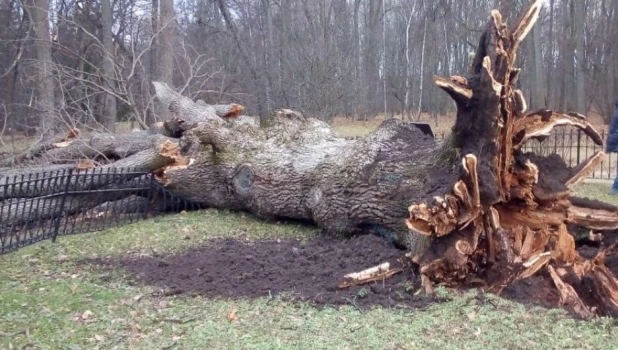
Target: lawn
{"x": 51, "y": 299}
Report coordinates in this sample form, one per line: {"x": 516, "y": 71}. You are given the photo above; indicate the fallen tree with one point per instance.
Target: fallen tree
{"x": 483, "y": 212}
{"x": 506, "y": 217}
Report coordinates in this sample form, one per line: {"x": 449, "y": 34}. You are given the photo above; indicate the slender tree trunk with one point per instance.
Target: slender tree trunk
{"x": 109, "y": 106}
{"x": 154, "y": 21}
{"x": 268, "y": 46}
{"x": 152, "y": 72}
{"x": 407, "y": 84}
{"x": 566, "y": 59}
{"x": 384, "y": 63}
{"x": 38, "y": 10}
{"x": 550, "y": 92}
{"x": 166, "y": 54}
{"x": 579, "y": 16}
{"x": 537, "y": 82}
{"x": 420, "y": 97}
{"x": 357, "y": 54}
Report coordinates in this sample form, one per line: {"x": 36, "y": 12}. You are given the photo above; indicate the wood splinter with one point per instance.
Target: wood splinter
{"x": 376, "y": 273}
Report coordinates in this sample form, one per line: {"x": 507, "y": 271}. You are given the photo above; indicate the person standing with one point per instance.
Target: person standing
{"x": 612, "y": 143}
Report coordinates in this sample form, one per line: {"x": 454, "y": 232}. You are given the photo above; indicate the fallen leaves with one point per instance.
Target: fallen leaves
{"x": 232, "y": 315}
{"x": 85, "y": 317}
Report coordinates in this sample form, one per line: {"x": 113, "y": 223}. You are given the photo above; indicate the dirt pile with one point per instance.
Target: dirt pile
{"x": 307, "y": 271}
{"x": 311, "y": 271}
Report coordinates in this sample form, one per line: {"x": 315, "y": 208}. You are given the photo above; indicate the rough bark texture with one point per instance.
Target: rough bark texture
{"x": 506, "y": 218}
{"x": 294, "y": 167}
{"x": 38, "y": 13}
{"x": 109, "y": 106}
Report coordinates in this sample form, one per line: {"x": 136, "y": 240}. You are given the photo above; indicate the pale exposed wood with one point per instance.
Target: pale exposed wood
{"x": 526, "y": 23}
{"x": 455, "y": 87}
{"x": 541, "y": 123}
{"x": 584, "y": 169}
{"x": 534, "y": 265}
{"x": 376, "y": 273}
{"x": 569, "y": 297}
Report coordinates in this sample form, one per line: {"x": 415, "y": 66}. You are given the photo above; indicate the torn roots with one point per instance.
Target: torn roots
{"x": 520, "y": 228}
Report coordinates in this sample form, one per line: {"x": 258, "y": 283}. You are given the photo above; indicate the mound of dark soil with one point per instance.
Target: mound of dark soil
{"x": 310, "y": 271}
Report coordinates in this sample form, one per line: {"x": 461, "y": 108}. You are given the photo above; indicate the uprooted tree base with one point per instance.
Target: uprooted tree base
{"x": 484, "y": 213}
{"x": 506, "y": 219}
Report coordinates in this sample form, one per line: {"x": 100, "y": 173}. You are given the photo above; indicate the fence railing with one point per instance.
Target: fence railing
{"x": 574, "y": 147}
{"x": 40, "y": 206}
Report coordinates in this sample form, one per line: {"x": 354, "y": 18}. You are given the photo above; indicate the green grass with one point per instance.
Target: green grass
{"x": 49, "y": 300}
{"x": 354, "y": 130}
{"x": 598, "y": 191}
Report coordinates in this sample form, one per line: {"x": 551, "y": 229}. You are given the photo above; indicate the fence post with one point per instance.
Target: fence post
{"x": 579, "y": 138}
{"x": 150, "y": 195}
{"x": 62, "y": 201}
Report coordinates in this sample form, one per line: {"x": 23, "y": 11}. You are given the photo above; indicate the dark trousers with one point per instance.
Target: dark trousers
{"x": 615, "y": 185}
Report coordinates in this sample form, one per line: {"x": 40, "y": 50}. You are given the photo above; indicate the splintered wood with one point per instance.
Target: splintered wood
{"x": 68, "y": 140}
{"x": 171, "y": 150}
{"x": 376, "y": 273}
{"x": 507, "y": 216}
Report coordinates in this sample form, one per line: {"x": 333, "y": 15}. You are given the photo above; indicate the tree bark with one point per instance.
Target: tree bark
{"x": 38, "y": 14}
{"x": 506, "y": 218}
{"x": 406, "y": 107}
{"x": 295, "y": 167}
{"x": 167, "y": 21}
{"x": 109, "y": 106}
{"x": 579, "y": 15}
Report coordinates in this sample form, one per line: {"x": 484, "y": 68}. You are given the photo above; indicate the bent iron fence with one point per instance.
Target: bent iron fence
{"x": 40, "y": 206}
{"x": 574, "y": 147}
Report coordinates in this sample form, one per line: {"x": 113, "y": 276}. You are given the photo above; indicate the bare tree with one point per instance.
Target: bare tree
{"x": 165, "y": 53}
{"x": 325, "y": 58}
{"x": 38, "y": 13}
{"x": 109, "y": 100}
{"x": 579, "y": 14}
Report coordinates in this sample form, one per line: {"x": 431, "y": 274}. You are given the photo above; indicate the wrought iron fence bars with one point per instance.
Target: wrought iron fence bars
{"x": 62, "y": 201}
{"x": 39, "y": 206}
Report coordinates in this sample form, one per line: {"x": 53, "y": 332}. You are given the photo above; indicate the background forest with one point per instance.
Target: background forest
{"x": 89, "y": 63}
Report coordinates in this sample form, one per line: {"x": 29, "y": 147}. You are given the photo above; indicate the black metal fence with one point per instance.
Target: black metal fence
{"x": 39, "y": 206}
{"x": 575, "y": 147}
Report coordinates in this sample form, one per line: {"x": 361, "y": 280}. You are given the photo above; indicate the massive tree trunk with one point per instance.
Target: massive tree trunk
{"x": 295, "y": 167}
{"x": 482, "y": 210}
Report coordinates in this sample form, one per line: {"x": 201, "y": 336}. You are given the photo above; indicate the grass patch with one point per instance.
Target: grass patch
{"x": 49, "y": 300}
{"x": 354, "y": 130}
{"x": 597, "y": 191}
